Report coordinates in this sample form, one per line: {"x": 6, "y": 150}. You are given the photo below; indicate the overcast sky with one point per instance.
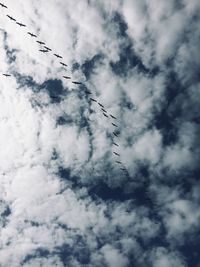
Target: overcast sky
{"x": 64, "y": 200}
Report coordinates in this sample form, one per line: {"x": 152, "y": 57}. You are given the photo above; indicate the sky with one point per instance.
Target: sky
{"x": 64, "y": 200}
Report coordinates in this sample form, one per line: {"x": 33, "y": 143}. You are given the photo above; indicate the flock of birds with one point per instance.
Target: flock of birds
{"x": 46, "y": 49}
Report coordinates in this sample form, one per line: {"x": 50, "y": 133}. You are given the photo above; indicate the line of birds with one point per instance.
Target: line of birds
{"x": 104, "y": 112}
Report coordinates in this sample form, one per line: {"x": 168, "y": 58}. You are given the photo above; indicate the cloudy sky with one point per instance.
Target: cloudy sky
{"x": 64, "y": 200}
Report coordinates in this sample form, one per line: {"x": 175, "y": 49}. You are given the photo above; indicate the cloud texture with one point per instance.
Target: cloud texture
{"x": 63, "y": 199}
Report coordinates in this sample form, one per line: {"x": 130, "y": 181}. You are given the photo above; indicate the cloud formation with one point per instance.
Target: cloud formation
{"x": 64, "y": 200}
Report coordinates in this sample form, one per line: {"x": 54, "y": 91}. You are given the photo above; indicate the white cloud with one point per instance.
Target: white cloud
{"x": 162, "y": 257}
{"x": 183, "y": 154}
{"x": 113, "y": 257}
{"x": 183, "y": 216}
{"x": 148, "y": 147}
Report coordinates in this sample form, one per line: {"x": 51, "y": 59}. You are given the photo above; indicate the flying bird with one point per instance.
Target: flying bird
{"x": 100, "y": 105}
{"x": 104, "y": 110}
{"x": 119, "y": 162}
{"x": 113, "y": 117}
{"x": 88, "y": 92}
{"x": 115, "y": 134}
{"x": 7, "y": 75}
{"x": 114, "y": 125}
{"x": 32, "y": 35}
{"x": 39, "y": 42}
{"x": 44, "y": 51}
{"x": 3, "y": 5}
{"x": 105, "y": 115}
{"x": 56, "y": 55}
{"x": 115, "y": 144}
{"x": 66, "y": 77}
{"x": 116, "y": 154}
{"x": 123, "y": 169}
{"x": 47, "y": 48}
{"x": 76, "y": 82}
{"x": 63, "y": 64}
{"x": 92, "y": 99}
{"x": 11, "y": 18}
{"x": 20, "y": 24}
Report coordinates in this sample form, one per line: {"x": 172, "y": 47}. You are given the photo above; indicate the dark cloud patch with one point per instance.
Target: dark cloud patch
{"x": 66, "y": 175}
{"x": 154, "y": 71}
{"x": 54, "y": 89}
{"x": 164, "y": 123}
{"x": 174, "y": 88}
{"x": 186, "y": 182}
{"x": 34, "y": 224}
{"x": 122, "y": 26}
{"x": 37, "y": 254}
{"x": 78, "y": 251}
{"x": 103, "y": 191}
{"x": 55, "y": 155}
{"x": 129, "y": 105}
{"x": 6, "y": 212}
{"x": 76, "y": 66}
{"x": 128, "y": 60}
{"x": 165, "y": 118}
{"x": 196, "y": 120}
{"x": 64, "y": 120}
{"x": 160, "y": 239}
{"x": 88, "y": 68}
{"x": 24, "y": 80}
{"x": 10, "y": 53}
{"x": 81, "y": 251}
{"x": 132, "y": 188}
{"x": 83, "y": 123}
{"x": 64, "y": 253}
{"x": 191, "y": 248}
